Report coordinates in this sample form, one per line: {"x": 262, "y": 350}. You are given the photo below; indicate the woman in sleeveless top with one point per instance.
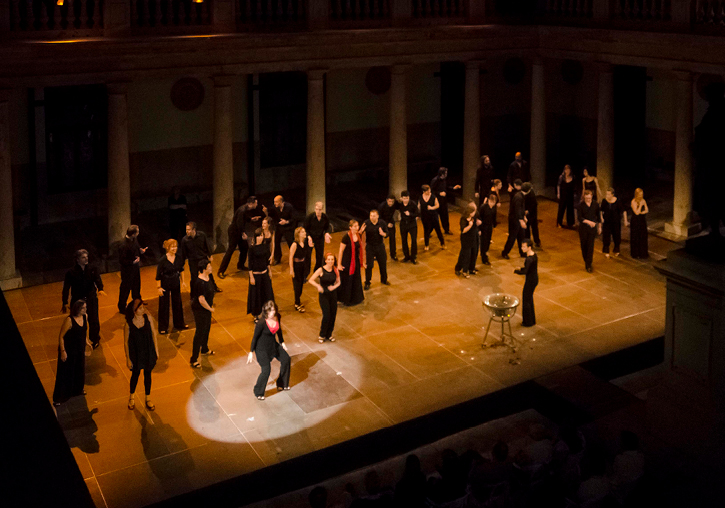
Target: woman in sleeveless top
{"x": 260, "y": 283}
{"x": 72, "y": 340}
{"x": 327, "y": 279}
{"x": 565, "y": 193}
{"x": 299, "y": 254}
{"x": 350, "y": 266}
{"x": 142, "y": 349}
{"x": 638, "y": 240}
{"x": 590, "y": 182}
{"x": 268, "y": 230}
{"x": 429, "y": 216}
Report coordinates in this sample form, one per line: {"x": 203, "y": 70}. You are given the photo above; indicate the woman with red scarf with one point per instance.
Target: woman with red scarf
{"x": 327, "y": 279}
{"x": 350, "y": 265}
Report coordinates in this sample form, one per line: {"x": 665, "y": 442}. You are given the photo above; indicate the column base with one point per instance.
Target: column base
{"x": 684, "y": 230}
{"x": 15, "y": 282}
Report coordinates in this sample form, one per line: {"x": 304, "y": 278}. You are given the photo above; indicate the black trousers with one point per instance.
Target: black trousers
{"x": 474, "y": 255}
{"x": 135, "y": 372}
{"x": 235, "y": 241}
{"x": 527, "y": 303}
{"x": 485, "y": 243}
{"x": 266, "y": 364}
{"x": 516, "y": 233}
{"x": 611, "y": 232}
{"x": 412, "y": 251}
{"x": 467, "y": 253}
{"x": 431, "y": 224}
{"x": 586, "y": 238}
{"x": 172, "y": 296}
{"x": 566, "y": 204}
{"x": 202, "y": 317}
{"x": 130, "y": 283}
{"x": 532, "y": 228}
{"x": 289, "y": 237}
{"x": 376, "y": 253}
{"x": 299, "y": 279}
{"x": 328, "y": 305}
{"x": 319, "y": 242}
{"x": 391, "y": 241}
{"x": 443, "y": 213}
{"x": 94, "y": 323}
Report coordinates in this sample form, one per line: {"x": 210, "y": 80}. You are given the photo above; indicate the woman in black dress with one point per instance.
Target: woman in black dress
{"x": 170, "y": 278}
{"x": 268, "y": 229}
{"x": 350, "y": 266}
{"x": 142, "y": 349}
{"x": 299, "y": 255}
{"x": 72, "y": 340}
{"x": 591, "y": 183}
{"x": 260, "y": 283}
{"x": 469, "y": 241}
{"x": 327, "y": 279}
{"x": 202, "y": 305}
{"x": 531, "y": 270}
{"x": 268, "y": 343}
{"x": 429, "y": 215}
{"x": 565, "y": 195}
{"x": 638, "y": 241}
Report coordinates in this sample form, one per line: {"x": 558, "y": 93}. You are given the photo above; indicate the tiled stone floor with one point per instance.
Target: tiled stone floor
{"x": 409, "y": 349}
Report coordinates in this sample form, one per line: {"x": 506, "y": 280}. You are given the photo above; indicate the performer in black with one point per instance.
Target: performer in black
{"x": 83, "y": 282}
{"x": 496, "y": 187}
{"x": 638, "y": 239}
{"x": 409, "y": 227}
{"x": 484, "y": 178}
{"x": 284, "y": 225}
{"x": 129, "y": 256}
{"x": 319, "y": 230}
{"x": 487, "y": 214}
{"x": 72, "y": 340}
{"x": 589, "y": 225}
{"x": 387, "y": 210}
{"x": 350, "y": 264}
{"x": 517, "y": 217}
{"x": 299, "y": 258}
{"x": 591, "y": 183}
{"x": 565, "y": 194}
{"x": 247, "y": 218}
{"x": 469, "y": 240}
{"x": 439, "y": 187}
{"x": 177, "y": 214}
{"x": 429, "y": 215}
{"x": 260, "y": 284}
{"x": 142, "y": 349}
{"x": 531, "y": 270}
{"x": 612, "y": 210}
{"x": 202, "y": 305}
{"x": 518, "y": 170}
{"x": 195, "y": 246}
{"x": 327, "y": 279}
{"x": 268, "y": 343}
{"x": 375, "y": 231}
{"x": 170, "y": 278}
{"x": 532, "y": 217}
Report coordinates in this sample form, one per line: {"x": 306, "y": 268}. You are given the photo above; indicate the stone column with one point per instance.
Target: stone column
{"x": 9, "y": 278}
{"x": 315, "y": 139}
{"x": 538, "y": 126}
{"x": 119, "y": 178}
{"x": 398, "y": 160}
{"x": 605, "y": 127}
{"x": 223, "y": 186}
{"x": 681, "y": 220}
{"x": 471, "y": 129}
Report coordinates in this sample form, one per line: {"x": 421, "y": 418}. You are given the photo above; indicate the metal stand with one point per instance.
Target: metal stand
{"x": 503, "y": 320}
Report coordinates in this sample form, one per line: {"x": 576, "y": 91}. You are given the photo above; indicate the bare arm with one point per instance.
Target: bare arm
{"x": 599, "y": 191}
{"x": 61, "y": 343}
{"x": 154, "y": 335}
{"x": 339, "y": 256}
{"x": 336, "y": 284}
{"x": 203, "y": 303}
{"x": 292, "y": 250}
{"x": 468, "y": 228}
{"x": 125, "y": 346}
{"x": 314, "y": 280}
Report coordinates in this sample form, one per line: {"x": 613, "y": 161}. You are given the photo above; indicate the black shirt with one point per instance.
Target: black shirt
{"x": 195, "y": 249}
{"x": 438, "y": 185}
{"x": 518, "y": 171}
{"x": 177, "y": 207}
{"x": 263, "y": 340}
{"x": 81, "y": 283}
{"x": 425, "y": 211}
{"x": 588, "y": 212}
{"x": 484, "y": 177}
{"x": 517, "y": 208}
{"x": 372, "y": 232}
{"x": 316, "y": 228}
{"x": 531, "y": 205}
{"x": 128, "y": 252}
{"x": 205, "y": 288}
{"x": 327, "y": 279}
{"x": 487, "y": 215}
{"x": 252, "y": 219}
{"x": 612, "y": 212}
{"x": 408, "y": 220}
{"x": 286, "y": 213}
{"x": 387, "y": 213}
{"x": 302, "y": 252}
{"x": 259, "y": 257}
{"x": 168, "y": 273}
{"x": 530, "y": 269}
{"x": 469, "y": 237}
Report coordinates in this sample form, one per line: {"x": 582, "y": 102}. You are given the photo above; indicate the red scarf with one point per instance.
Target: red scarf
{"x": 351, "y": 271}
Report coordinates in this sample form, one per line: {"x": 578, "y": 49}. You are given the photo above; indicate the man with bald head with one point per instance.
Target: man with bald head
{"x": 319, "y": 230}
{"x": 284, "y": 223}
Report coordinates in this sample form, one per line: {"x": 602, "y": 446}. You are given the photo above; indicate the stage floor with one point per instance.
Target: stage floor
{"x": 409, "y": 349}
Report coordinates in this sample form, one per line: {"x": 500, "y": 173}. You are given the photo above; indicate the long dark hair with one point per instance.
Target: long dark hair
{"x": 75, "y": 309}
{"x": 267, "y": 307}
{"x": 131, "y": 308}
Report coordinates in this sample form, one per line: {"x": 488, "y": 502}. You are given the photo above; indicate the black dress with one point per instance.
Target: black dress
{"x": 638, "y": 240}
{"x": 328, "y": 303}
{"x": 566, "y": 202}
{"x": 531, "y": 270}
{"x": 141, "y": 348}
{"x": 261, "y": 292}
{"x": 71, "y": 373}
{"x": 351, "y": 290}
{"x": 591, "y": 186}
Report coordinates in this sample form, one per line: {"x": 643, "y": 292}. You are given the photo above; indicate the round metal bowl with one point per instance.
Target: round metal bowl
{"x": 501, "y": 305}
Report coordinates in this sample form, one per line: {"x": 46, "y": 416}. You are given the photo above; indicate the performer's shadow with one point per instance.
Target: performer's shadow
{"x": 79, "y": 426}
{"x": 159, "y": 438}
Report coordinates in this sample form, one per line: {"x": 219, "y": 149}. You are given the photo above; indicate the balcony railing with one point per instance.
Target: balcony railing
{"x": 45, "y": 18}
{"x": 439, "y": 9}
{"x": 170, "y": 16}
{"x": 263, "y": 14}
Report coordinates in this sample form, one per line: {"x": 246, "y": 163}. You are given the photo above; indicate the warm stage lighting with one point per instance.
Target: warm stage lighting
{"x": 59, "y": 2}
{"x": 198, "y": 1}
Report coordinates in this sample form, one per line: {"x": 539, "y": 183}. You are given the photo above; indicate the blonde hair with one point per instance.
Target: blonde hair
{"x": 638, "y": 194}
{"x": 297, "y": 233}
{"x": 170, "y": 243}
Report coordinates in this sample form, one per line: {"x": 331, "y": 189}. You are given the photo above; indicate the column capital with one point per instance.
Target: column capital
{"x": 117, "y": 88}
{"x": 537, "y": 60}
{"x": 223, "y": 80}
{"x": 316, "y": 74}
{"x": 603, "y": 67}
{"x": 683, "y": 74}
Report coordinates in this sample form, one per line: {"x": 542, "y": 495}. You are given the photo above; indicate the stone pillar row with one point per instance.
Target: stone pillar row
{"x": 605, "y": 127}
{"x": 537, "y": 162}
{"x": 119, "y": 177}
{"x": 9, "y": 279}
